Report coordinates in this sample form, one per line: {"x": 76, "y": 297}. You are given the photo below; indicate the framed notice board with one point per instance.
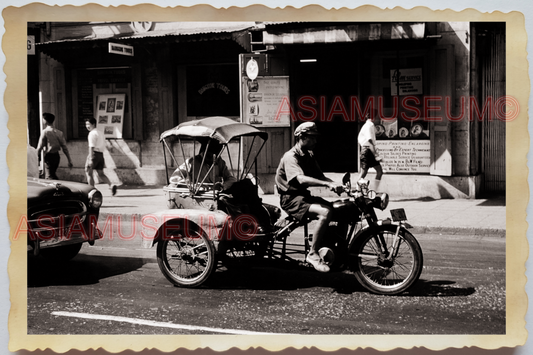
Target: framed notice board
{"x": 110, "y": 114}
{"x": 265, "y": 101}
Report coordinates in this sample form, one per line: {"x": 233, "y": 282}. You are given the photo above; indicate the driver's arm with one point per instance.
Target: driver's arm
{"x": 305, "y": 180}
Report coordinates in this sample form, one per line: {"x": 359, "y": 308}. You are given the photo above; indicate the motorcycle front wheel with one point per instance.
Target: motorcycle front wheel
{"x": 379, "y": 268}
{"x": 186, "y": 258}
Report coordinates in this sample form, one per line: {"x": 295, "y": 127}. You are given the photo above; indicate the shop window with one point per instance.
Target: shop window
{"x": 89, "y": 85}
{"x": 399, "y": 94}
{"x": 213, "y": 90}
{"x": 399, "y": 82}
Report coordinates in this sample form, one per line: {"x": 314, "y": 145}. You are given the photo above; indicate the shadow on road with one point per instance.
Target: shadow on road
{"x": 82, "y": 270}
{"x": 292, "y": 277}
{"x": 278, "y": 275}
{"x": 439, "y": 288}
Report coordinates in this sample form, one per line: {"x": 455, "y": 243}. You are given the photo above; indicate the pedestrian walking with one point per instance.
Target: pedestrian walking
{"x": 369, "y": 157}
{"x": 51, "y": 142}
{"x": 95, "y": 159}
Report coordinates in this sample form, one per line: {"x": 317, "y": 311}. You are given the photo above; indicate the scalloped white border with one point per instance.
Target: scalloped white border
{"x": 482, "y": 5}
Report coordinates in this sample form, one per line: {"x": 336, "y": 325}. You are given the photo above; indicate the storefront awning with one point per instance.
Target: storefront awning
{"x": 275, "y": 34}
{"x": 131, "y": 32}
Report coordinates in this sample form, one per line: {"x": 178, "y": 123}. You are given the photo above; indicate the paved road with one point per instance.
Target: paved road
{"x": 116, "y": 287}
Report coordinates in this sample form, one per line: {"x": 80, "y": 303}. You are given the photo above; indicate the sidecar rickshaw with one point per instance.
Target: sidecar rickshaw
{"x": 216, "y": 217}
{"x": 208, "y": 223}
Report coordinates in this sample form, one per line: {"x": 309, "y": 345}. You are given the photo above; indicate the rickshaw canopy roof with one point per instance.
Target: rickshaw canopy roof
{"x": 222, "y": 129}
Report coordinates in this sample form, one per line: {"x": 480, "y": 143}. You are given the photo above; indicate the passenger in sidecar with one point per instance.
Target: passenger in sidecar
{"x": 207, "y": 167}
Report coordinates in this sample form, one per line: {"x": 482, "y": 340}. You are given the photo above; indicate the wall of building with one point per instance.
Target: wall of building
{"x": 457, "y": 34}
{"x": 141, "y": 162}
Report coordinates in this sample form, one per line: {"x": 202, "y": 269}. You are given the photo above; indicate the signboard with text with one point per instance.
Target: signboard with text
{"x": 31, "y": 45}
{"x": 407, "y": 81}
{"x": 404, "y": 156}
{"x": 265, "y": 101}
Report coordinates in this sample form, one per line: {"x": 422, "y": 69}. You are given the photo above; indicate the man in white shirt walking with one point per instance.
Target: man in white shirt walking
{"x": 95, "y": 158}
{"x": 369, "y": 157}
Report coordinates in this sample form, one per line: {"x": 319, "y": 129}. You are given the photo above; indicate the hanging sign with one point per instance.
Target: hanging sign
{"x": 408, "y": 81}
{"x": 120, "y": 49}
{"x": 110, "y": 115}
{"x": 31, "y": 45}
{"x": 252, "y": 69}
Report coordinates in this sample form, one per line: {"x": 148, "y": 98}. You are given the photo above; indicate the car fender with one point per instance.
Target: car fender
{"x": 154, "y": 224}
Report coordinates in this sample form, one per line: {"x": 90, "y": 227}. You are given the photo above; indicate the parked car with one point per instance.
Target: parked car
{"x": 62, "y": 215}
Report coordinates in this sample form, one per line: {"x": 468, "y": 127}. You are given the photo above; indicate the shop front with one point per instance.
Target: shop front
{"x": 425, "y": 84}
{"x": 137, "y": 81}
{"x": 415, "y": 79}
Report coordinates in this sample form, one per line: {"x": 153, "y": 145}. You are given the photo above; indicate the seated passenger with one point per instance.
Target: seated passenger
{"x": 222, "y": 176}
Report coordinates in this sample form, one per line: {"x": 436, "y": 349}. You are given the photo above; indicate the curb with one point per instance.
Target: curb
{"x": 501, "y": 233}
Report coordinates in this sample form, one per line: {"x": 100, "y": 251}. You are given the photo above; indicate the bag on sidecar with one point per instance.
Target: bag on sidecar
{"x": 245, "y": 200}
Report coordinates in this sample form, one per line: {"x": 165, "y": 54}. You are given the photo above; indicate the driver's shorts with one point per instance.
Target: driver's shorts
{"x": 297, "y": 205}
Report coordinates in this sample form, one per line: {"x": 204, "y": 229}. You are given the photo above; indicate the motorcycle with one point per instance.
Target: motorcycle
{"x": 209, "y": 228}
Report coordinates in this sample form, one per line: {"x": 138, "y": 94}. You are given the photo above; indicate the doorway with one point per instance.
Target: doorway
{"x": 325, "y": 80}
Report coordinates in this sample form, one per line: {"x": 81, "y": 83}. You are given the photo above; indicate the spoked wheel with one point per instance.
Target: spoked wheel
{"x": 381, "y": 269}
{"x": 186, "y": 259}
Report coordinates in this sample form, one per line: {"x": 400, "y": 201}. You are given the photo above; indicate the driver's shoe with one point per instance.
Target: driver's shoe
{"x": 317, "y": 262}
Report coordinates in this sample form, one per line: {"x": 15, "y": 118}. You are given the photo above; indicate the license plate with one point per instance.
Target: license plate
{"x": 398, "y": 215}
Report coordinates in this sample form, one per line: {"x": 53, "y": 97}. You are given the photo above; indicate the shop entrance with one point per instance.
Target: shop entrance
{"x": 324, "y": 81}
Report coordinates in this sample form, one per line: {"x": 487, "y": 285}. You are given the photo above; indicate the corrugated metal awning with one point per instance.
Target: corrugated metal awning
{"x": 124, "y": 31}
{"x": 344, "y": 33}
{"x": 75, "y": 40}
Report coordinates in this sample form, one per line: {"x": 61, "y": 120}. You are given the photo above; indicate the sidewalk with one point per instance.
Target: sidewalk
{"x": 447, "y": 216}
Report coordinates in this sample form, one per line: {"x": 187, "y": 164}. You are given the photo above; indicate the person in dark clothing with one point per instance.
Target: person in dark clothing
{"x": 51, "y": 142}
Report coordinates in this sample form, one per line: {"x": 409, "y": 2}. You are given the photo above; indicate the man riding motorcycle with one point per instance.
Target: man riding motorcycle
{"x": 297, "y": 171}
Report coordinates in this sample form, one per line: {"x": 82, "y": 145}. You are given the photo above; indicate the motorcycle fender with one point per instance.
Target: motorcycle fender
{"x": 370, "y": 229}
{"x": 153, "y": 225}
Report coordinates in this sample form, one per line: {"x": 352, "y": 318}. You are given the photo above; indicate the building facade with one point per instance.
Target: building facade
{"x": 433, "y": 88}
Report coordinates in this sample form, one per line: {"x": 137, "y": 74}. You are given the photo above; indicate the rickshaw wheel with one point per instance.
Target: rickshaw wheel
{"x": 186, "y": 259}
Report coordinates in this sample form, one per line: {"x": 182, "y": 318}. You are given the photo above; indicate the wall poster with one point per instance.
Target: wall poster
{"x": 266, "y": 101}
{"x": 110, "y": 114}
{"x": 408, "y": 81}
{"x": 405, "y": 156}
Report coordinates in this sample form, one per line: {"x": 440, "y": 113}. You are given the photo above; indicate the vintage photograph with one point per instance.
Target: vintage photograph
{"x": 111, "y": 105}
{"x": 360, "y": 189}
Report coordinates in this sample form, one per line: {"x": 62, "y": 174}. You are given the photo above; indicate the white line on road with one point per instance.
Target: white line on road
{"x": 157, "y": 324}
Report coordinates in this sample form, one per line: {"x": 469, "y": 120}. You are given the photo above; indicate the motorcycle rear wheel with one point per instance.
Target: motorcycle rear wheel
{"x": 186, "y": 259}
{"x": 379, "y": 275}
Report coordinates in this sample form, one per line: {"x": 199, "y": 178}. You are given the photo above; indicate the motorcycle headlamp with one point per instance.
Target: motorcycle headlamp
{"x": 384, "y": 201}
{"x": 95, "y": 199}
